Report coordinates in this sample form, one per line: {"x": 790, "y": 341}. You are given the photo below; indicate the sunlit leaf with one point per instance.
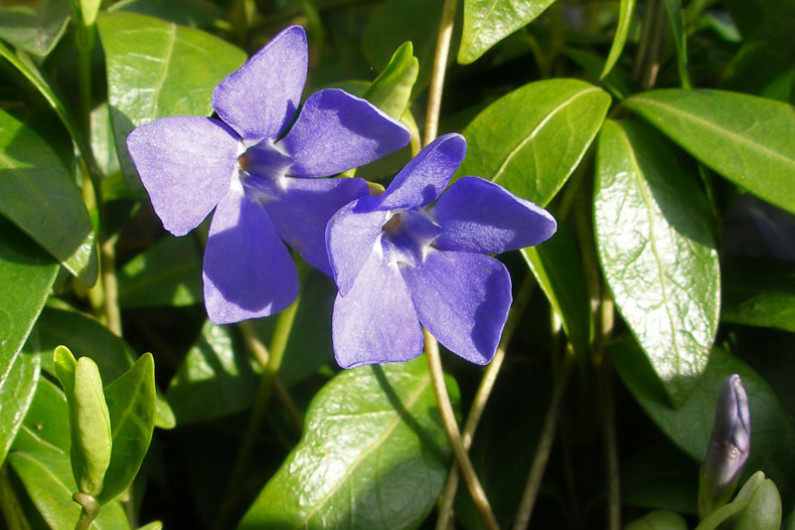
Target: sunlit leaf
{"x": 531, "y": 140}
{"x": 156, "y": 69}
{"x": 34, "y": 26}
{"x": 374, "y": 455}
{"x": 487, "y": 22}
{"x": 748, "y": 140}
{"x": 17, "y": 388}
{"x": 37, "y": 194}
{"x": 391, "y": 90}
{"x": 655, "y": 245}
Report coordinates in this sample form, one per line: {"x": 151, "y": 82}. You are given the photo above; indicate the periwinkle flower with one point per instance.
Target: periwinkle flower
{"x": 261, "y": 177}
{"x": 728, "y": 448}
{"x": 400, "y": 263}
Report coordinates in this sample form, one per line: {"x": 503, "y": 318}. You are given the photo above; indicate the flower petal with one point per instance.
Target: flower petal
{"x": 463, "y": 300}
{"x": 248, "y": 272}
{"x": 186, "y": 164}
{"x": 375, "y": 322}
{"x": 352, "y": 235}
{"x": 301, "y": 214}
{"x": 336, "y": 131}
{"x": 260, "y": 98}
{"x": 476, "y": 215}
{"x": 425, "y": 177}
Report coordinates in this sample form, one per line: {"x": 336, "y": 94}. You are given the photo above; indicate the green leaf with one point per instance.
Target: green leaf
{"x": 557, "y": 267}
{"x": 625, "y": 11}
{"x": 759, "y": 292}
{"x": 748, "y": 140}
{"x": 88, "y": 11}
{"x": 487, "y": 22}
{"x": 748, "y": 15}
{"x": 532, "y": 139}
{"x": 658, "y": 520}
{"x": 655, "y": 245}
{"x": 17, "y": 388}
{"x": 214, "y": 380}
{"x": 391, "y": 90}
{"x": 86, "y": 336}
{"x": 168, "y": 273}
{"x": 38, "y": 194}
{"x": 374, "y": 455}
{"x": 131, "y": 403}
{"x": 676, "y": 18}
{"x": 690, "y": 426}
{"x": 617, "y": 81}
{"x": 394, "y": 22}
{"x": 34, "y": 26}
{"x": 40, "y": 458}
{"x": 156, "y": 69}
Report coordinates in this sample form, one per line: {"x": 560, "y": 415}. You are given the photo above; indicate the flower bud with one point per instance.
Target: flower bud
{"x": 728, "y": 447}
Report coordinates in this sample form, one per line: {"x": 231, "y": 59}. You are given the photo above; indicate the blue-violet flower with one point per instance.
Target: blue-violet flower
{"x": 259, "y": 176}
{"x": 400, "y": 265}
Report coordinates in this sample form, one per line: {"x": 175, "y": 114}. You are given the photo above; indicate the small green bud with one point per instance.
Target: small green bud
{"x": 764, "y": 509}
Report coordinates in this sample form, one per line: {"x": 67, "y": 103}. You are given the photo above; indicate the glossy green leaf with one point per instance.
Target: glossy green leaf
{"x": 759, "y": 292}
{"x": 156, "y": 69}
{"x": 690, "y": 426}
{"x": 86, "y": 336}
{"x": 40, "y": 458}
{"x": 168, "y": 273}
{"x": 131, "y": 403}
{"x": 765, "y": 64}
{"x": 391, "y": 90}
{"x": 655, "y": 245}
{"x": 626, "y": 10}
{"x": 38, "y": 194}
{"x": 17, "y": 388}
{"x": 676, "y": 19}
{"x": 557, "y": 267}
{"x": 394, "y": 22}
{"x": 532, "y": 139}
{"x": 216, "y": 378}
{"x": 34, "y": 26}
{"x": 487, "y": 22}
{"x": 748, "y": 140}
{"x": 374, "y": 455}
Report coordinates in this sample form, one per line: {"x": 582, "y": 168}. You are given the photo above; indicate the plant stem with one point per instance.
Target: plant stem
{"x": 437, "y": 74}
{"x": 110, "y": 285}
{"x": 270, "y": 371}
{"x": 453, "y": 434}
{"x": 610, "y": 440}
{"x": 90, "y": 510}
{"x": 545, "y": 442}
{"x": 482, "y": 396}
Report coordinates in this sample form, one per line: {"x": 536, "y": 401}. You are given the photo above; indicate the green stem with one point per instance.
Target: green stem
{"x": 482, "y": 396}
{"x": 110, "y": 285}
{"x": 545, "y": 441}
{"x": 437, "y": 74}
{"x": 270, "y": 370}
{"x": 610, "y": 447}
{"x": 90, "y": 510}
{"x": 453, "y": 434}
{"x": 13, "y": 515}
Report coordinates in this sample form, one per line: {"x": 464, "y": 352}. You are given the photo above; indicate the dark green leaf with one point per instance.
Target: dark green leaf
{"x": 38, "y": 194}
{"x": 40, "y": 457}
{"x": 748, "y": 140}
{"x": 618, "y": 82}
{"x": 625, "y": 11}
{"x": 17, "y": 388}
{"x": 557, "y": 267}
{"x": 214, "y": 380}
{"x": 34, "y": 26}
{"x": 759, "y": 293}
{"x": 655, "y": 245}
{"x": 660, "y": 477}
{"x": 765, "y": 64}
{"x": 85, "y": 336}
{"x": 487, "y": 22}
{"x": 183, "y": 66}
{"x": 131, "y": 403}
{"x": 374, "y": 455}
{"x": 531, "y": 140}
{"x": 391, "y": 90}
{"x": 690, "y": 426}
{"x": 748, "y": 15}
{"x": 168, "y": 273}
{"x": 191, "y": 13}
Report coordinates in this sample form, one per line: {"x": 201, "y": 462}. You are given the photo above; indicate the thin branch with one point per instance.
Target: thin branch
{"x": 437, "y": 74}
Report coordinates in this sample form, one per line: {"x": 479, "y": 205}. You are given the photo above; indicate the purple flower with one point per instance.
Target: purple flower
{"x": 400, "y": 265}
{"x": 259, "y": 176}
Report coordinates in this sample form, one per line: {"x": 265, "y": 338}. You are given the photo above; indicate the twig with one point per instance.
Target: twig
{"x": 437, "y": 74}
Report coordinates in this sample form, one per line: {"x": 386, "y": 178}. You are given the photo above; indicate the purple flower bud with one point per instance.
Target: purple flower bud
{"x": 728, "y": 448}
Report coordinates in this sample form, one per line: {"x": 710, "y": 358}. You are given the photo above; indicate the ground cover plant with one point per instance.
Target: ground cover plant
{"x": 397, "y": 264}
